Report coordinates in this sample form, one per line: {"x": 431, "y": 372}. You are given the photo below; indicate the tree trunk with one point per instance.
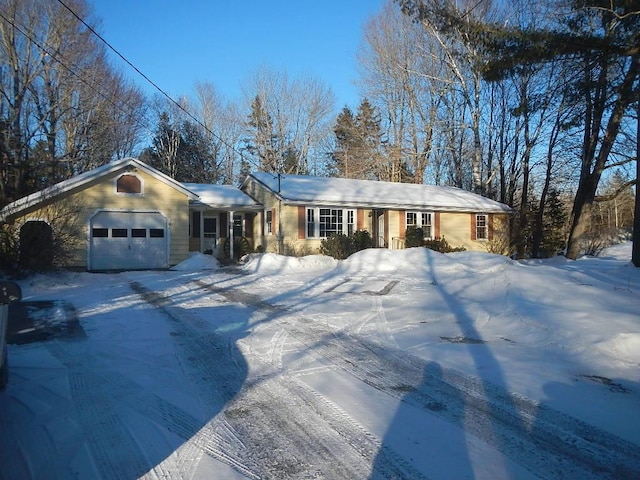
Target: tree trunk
{"x": 580, "y": 217}
{"x": 589, "y": 182}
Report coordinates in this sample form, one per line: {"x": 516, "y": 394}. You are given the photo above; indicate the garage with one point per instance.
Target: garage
{"x": 128, "y": 241}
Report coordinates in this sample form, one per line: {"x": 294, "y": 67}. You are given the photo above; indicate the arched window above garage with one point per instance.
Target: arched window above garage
{"x": 129, "y": 184}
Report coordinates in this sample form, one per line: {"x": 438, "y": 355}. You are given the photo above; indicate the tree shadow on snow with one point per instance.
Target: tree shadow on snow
{"x": 427, "y": 433}
{"x": 119, "y": 407}
{"x": 524, "y": 438}
{"x": 441, "y": 397}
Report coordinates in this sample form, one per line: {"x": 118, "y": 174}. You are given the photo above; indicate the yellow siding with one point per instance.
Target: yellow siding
{"x": 456, "y": 229}
{"x": 101, "y": 195}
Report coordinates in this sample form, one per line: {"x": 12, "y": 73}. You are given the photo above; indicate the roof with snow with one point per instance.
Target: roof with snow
{"x": 126, "y": 164}
{"x": 221, "y": 197}
{"x": 301, "y": 189}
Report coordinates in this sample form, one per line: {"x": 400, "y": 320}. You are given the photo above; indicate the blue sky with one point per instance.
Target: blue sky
{"x": 179, "y": 43}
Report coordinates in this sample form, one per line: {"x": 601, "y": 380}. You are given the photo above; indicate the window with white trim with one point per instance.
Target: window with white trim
{"x": 324, "y": 222}
{"x": 269, "y": 222}
{"x": 423, "y": 220}
{"x": 482, "y": 231}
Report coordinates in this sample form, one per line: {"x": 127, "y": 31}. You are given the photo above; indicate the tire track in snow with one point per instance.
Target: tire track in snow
{"x": 19, "y": 448}
{"x": 289, "y": 431}
{"x": 547, "y": 442}
{"x": 114, "y": 450}
{"x": 211, "y": 363}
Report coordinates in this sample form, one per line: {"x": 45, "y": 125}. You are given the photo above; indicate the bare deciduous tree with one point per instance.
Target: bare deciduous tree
{"x": 289, "y": 117}
{"x": 63, "y": 109}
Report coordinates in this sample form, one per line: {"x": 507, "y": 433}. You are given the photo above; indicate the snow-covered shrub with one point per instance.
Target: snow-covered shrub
{"x": 338, "y": 246}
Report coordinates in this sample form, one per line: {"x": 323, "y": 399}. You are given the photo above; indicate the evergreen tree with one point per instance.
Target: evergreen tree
{"x": 554, "y": 225}
{"x": 369, "y": 128}
{"x": 263, "y": 143}
{"x": 359, "y": 151}
{"x": 196, "y": 160}
{"x": 346, "y": 149}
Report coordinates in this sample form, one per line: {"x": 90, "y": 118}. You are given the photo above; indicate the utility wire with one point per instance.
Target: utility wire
{"x": 56, "y": 57}
{"x": 165, "y": 94}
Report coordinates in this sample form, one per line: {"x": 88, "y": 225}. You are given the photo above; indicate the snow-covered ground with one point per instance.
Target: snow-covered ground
{"x": 390, "y": 364}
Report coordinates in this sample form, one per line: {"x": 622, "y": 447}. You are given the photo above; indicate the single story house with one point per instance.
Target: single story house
{"x": 128, "y": 215}
{"x": 300, "y": 211}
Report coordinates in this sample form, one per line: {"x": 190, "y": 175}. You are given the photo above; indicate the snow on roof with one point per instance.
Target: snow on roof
{"x": 369, "y": 193}
{"x": 221, "y": 196}
{"x": 84, "y": 178}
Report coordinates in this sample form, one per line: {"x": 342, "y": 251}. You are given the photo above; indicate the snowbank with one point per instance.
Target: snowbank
{"x": 197, "y": 261}
{"x": 255, "y": 262}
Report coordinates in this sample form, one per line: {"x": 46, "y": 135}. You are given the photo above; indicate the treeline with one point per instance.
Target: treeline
{"x": 541, "y": 115}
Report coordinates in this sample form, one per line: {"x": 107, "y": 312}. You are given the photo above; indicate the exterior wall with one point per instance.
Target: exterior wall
{"x": 268, "y": 242}
{"x": 101, "y": 195}
{"x": 457, "y": 229}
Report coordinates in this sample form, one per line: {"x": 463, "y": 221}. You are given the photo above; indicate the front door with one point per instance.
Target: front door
{"x": 238, "y": 225}
{"x": 380, "y": 230}
{"x": 210, "y": 235}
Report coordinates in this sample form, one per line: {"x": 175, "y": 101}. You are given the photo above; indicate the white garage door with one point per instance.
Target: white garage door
{"x": 128, "y": 241}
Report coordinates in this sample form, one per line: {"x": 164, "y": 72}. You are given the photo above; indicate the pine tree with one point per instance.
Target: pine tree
{"x": 346, "y": 149}
{"x": 554, "y": 224}
{"x": 359, "y": 151}
{"x": 263, "y": 141}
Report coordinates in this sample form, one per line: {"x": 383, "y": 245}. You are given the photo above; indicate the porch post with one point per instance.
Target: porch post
{"x": 230, "y": 225}
{"x": 201, "y": 249}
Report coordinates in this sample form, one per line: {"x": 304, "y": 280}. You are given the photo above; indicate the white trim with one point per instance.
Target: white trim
{"x": 203, "y": 239}
{"x": 268, "y": 223}
{"x": 316, "y": 220}
{"x": 125, "y": 211}
{"x": 419, "y": 221}
{"x": 485, "y": 238}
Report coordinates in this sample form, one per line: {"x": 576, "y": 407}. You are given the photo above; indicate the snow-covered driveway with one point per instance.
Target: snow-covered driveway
{"x": 306, "y": 369}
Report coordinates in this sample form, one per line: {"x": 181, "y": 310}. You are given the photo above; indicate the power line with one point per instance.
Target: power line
{"x": 56, "y": 58}
{"x": 165, "y": 94}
